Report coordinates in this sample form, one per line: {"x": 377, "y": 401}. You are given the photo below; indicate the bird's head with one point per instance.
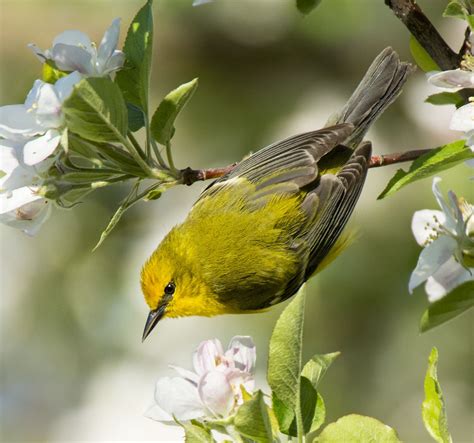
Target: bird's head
{"x": 172, "y": 288}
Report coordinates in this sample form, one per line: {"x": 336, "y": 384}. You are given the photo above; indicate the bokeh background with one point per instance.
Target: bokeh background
{"x": 72, "y": 363}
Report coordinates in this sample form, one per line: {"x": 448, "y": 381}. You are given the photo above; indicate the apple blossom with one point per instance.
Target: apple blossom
{"x": 214, "y": 389}
{"x": 74, "y": 51}
{"x": 37, "y": 124}
{"x": 447, "y": 237}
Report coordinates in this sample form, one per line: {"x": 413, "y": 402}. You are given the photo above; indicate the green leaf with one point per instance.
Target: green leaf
{"x": 433, "y": 409}
{"x": 252, "y": 419}
{"x": 446, "y": 98}
{"x": 284, "y": 360}
{"x": 134, "y": 78}
{"x": 136, "y": 118}
{"x": 96, "y": 110}
{"x": 470, "y": 21}
{"x": 458, "y": 301}
{"x": 112, "y": 223}
{"x": 357, "y": 429}
{"x": 154, "y": 194}
{"x": 429, "y": 164}
{"x": 306, "y": 6}
{"x": 315, "y": 369}
{"x": 162, "y": 122}
{"x": 196, "y": 434}
{"x": 421, "y": 57}
{"x": 455, "y": 9}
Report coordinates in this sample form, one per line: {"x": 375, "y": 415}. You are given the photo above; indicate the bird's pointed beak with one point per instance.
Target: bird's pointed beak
{"x": 153, "y": 318}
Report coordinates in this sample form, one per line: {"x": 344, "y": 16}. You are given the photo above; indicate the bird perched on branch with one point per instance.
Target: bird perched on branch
{"x": 258, "y": 233}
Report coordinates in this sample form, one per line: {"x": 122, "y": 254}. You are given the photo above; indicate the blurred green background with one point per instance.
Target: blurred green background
{"x": 72, "y": 363}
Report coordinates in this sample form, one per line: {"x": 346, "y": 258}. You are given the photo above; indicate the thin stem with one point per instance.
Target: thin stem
{"x": 389, "y": 159}
{"x": 190, "y": 176}
{"x": 137, "y": 146}
{"x": 169, "y": 156}
{"x": 158, "y": 156}
{"x": 147, "y": 137}
{"x": 135, "y": 154}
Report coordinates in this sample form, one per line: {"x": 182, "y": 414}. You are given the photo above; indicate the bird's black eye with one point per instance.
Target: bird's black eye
{"x": 170, "y": 288}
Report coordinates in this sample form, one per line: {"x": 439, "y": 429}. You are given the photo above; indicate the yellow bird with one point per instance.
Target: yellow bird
{"x": 257, "y": 234}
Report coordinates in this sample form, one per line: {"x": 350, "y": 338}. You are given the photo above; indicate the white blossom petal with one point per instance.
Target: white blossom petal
{"x": 424, "y": 224}
{"x": 74, "y": 38}
{"x": 243, "y": 352}
{"x": 216, "y": 393}
{"x": 188, "y": 375}
{"x": 115, "y": 62}
{"x": 65, "y": 85}
{"x": 17, "y": 174}
{"x": 16, "y": 122}
{"x": 47, "y": 108}
{"x": 40, "y": 54}
{"x": 156, "y": 413}
{"x": 450, "y": 275}
{"x": 450, "y": 222}
{"x": 463, "y": 118}
{"x": 24, "y": 209}
{"x": 207, "y": 356}
{"x": 179, "y": 397}
{"x": 73, "y": 58}
{"x": 38, "y": 149}
{"x": 108, "y": 44}
{"x": 430, "y": 260}
{"x": 452, "y": 79}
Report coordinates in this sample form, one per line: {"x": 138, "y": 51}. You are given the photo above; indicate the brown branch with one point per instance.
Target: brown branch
{"x": 425, "y": 33}
{"x": 190, "y": 176}
{"x": 389, "y": 159}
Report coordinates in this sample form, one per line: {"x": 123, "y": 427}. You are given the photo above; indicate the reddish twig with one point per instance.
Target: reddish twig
{"x": 190, "y": 176}
{"x": 399, "y": 157}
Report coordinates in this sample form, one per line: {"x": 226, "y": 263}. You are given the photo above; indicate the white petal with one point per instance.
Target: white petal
{"x": 216, "y": 393}
{"x": 47, "y": 108}
{"x": 114, "y": 63}
{"x": 463, "y": 118}
{"x": 207, "y": 356}
{"x": 450, "y": 222}
{"x": 431, "y": 258}
{"x": 188, "y": 375}
{"x": 41, "y": 147}
{"x": 108, "y": 44}
{"x": 446, "y": 278}
{"x": 243, "y": 352}
{"x": 65, "y": 85}
{"x": 453, "y": 79}
{"x": 156, "y": 413}
{"x": 17, "y": 199}
{"x": 424, "y": 224}
{"x": 18, "y": 174}
{"x": 24, "y": 209}
{"x": 40, "y": 54}
{"x": 17, "y": 122}
{"x": 73, "y": 58}
{"x": 74, "y": 38}
{"x": 179, "y": 397}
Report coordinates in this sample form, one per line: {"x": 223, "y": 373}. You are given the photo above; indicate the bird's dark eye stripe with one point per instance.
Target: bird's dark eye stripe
{"x": 169, "y": 288}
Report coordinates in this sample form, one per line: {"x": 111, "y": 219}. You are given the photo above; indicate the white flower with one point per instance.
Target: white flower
{"x": 24, "y": 209}
{"x": 74, "y": 51}
{"x": 214, "y": 389}
{"x": 463, "y": 120}
{"x": 454, "y": 79}
{"x": 448, "y": 240}
{"x": 37, "y": 123}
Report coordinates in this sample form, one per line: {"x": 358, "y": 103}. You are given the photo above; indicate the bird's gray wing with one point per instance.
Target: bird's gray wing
{"x": 286, "y": 166}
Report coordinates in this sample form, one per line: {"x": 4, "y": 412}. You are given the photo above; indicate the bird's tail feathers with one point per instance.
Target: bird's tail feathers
{"x": 381, "y": 85}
